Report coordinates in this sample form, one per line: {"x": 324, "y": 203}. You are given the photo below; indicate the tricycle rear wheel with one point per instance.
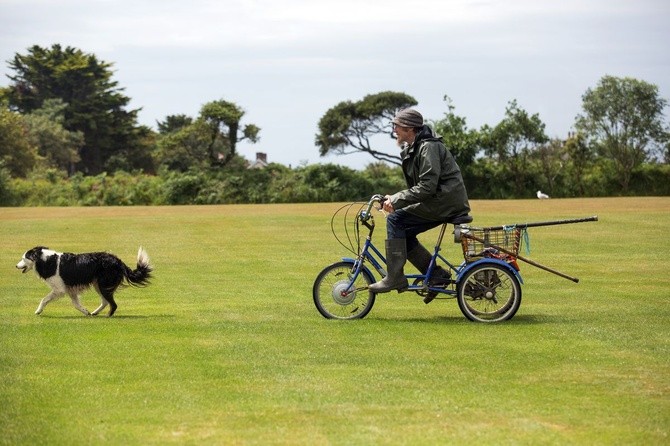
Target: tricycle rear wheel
{"x": 489, "y": 292}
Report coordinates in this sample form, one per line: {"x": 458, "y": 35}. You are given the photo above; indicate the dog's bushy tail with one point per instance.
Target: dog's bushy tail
{"x": 142, "y": 274}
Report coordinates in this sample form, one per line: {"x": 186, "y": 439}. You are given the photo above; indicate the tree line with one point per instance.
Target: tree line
{"x": 68, "y": 138}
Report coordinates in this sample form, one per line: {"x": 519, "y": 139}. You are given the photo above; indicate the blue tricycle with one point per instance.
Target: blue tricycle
{"x": 486, "y": 284}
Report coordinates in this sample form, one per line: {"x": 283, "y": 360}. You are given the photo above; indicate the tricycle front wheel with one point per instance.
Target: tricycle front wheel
{"x": 489, "y": 293}
{"x": 336, "y": 297}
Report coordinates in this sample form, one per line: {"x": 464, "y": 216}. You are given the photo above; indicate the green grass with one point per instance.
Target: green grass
{"x": 226, "y": 347}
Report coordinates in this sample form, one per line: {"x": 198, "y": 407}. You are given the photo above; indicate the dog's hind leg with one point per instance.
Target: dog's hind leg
{"x": 107, "y": 297}
{"x": 103, "y": 304}
{"x": 106, "y": 286}
{"x": 112, "y": 305}
{"x": 77, "y": 303}
{"x": 103, "y": 301}
{"x": 48, "y": 298}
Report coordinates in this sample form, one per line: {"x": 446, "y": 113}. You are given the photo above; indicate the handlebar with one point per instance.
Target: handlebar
{"x": 376, "y": 198}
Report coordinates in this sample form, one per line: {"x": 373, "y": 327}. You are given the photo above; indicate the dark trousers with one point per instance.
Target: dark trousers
{"x": 402, "y": 224}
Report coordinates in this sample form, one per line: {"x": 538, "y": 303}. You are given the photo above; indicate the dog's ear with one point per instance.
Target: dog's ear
{"x": 35, "y": 253}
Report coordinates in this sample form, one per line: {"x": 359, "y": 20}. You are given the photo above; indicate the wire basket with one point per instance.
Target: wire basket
{"x": 485, "y": 242}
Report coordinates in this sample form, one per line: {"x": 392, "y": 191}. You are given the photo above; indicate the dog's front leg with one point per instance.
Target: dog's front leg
{"x": 77, "y": 304}
{"x": 48, "y": 298}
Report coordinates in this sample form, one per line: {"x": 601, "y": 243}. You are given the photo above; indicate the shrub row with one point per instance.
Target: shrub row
{"x": 280, "y": 184}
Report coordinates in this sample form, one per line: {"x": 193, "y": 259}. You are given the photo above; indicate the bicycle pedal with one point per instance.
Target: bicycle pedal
{"x": 428, "y": 298}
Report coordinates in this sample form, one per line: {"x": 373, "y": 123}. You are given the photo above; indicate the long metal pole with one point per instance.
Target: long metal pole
{"x": 499, "y": 248}
{"x": 543, "y": 223}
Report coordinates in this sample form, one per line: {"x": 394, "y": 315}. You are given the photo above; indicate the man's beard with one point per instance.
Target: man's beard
{"x": 401, "y": 142}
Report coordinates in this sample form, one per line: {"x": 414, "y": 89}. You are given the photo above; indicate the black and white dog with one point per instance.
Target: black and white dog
{"x": 74, "y": 273}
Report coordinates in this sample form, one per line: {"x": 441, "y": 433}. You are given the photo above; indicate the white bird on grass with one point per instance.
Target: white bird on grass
{"x": 541, "y": 196}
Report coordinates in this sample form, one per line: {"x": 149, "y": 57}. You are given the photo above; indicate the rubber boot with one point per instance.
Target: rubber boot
{"x": 396, "y": 256}
{"x": 420, "y": 258}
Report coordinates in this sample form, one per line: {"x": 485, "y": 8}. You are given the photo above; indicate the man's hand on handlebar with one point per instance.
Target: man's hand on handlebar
{"x": 383, "y": 201}
{"x": 386, "y": 204}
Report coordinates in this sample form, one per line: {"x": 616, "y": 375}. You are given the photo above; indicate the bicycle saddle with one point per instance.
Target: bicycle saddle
{"x": 459, "y": 220}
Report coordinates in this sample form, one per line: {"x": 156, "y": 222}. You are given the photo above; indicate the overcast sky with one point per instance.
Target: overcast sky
{"x": 286, "y": 62}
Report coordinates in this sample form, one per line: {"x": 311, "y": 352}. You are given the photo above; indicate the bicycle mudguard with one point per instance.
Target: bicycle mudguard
{"x": 469, "y": 266}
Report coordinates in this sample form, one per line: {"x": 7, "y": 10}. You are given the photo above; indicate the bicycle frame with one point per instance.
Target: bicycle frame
{"x": 418, "y": 282}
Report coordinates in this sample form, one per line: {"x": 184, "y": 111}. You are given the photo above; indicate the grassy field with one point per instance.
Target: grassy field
{"x": 226, "y": 347}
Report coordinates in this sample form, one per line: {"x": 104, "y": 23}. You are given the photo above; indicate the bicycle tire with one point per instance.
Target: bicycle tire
{"x": 330, "y": 292}
{"x": 489, "y": 293}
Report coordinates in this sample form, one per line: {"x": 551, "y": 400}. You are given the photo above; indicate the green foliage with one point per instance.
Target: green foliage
{"x": 58, "y": 147}
{"x": 650, "y": 179}
{"x": 350, "y": 125}
{"x": 222, "y": 119}
{"x": 184, "y": 148}
{"x": 510, "y": 143}
{"x": 328, "y": 182}
{"x": 233, "y": 184}
{"x": 17, "y": 155}
{"x": 462, "y": 142}
{"x": 488, "y": 179}
{"x": 6, "y": 192}
{"x": 548, "y": 165}
{"x": 172, "y": 123}
{"x": 52, "y": 188}
{"x": 579, "y": 157}
{"x": 185, "y": 144}
{"x": 274, "y": 184}
{"x": 383, "y": 178}
{"x": 95, "y": 103}
{"x": 183, "y": 188}
{"x": 314, "y": 183}
{"x": 623, "y": 119}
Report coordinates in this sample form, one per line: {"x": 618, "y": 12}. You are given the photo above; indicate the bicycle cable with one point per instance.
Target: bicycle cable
{"x": 353, "y": 240}
{"x": 351, "y": 247}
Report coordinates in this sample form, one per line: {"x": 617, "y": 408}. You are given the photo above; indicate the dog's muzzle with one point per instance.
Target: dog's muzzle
{"x": 22, "y": 266}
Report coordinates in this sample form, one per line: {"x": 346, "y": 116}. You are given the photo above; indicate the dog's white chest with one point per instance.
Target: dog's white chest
{"x": 56, "y": 283}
